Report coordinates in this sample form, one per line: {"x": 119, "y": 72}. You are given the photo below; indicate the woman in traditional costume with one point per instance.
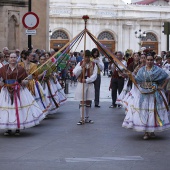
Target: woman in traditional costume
{"x": 149, "y": 110}
{"x": 166, "y": 68}
{"x": 128, "y": 83}
{"x": 33, "y": 84}
{"x": 18, "y": 108}
{"x": 129, "y": 96}
{"x": 45, "y": 77}
{"x": 61, "y": 95}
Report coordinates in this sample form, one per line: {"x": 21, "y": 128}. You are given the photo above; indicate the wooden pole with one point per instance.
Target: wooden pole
{"x": 83, "y": 102}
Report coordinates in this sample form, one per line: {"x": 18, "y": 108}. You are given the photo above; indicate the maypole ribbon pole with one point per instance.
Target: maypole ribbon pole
{"x": 65, "y": 46}
{"x": 85, "y": 17}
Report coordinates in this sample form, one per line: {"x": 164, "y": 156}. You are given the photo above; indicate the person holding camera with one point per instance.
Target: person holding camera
{"x": 100, "y": 66}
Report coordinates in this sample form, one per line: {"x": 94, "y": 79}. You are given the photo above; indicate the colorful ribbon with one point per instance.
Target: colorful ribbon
{"x": 40, "y": 95}
{"x": 17, "y": 93}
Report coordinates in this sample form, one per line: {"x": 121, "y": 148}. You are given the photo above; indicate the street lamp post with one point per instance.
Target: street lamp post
{"x": 139, "y": 34}
{"x": 50, "y": 34}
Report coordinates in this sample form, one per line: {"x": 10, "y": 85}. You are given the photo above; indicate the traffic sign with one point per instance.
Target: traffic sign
{"x": 30, "y": 20}
{"x": 30, "y": 32}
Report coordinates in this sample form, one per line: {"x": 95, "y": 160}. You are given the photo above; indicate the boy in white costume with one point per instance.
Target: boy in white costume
{"x": 90, "y": 75}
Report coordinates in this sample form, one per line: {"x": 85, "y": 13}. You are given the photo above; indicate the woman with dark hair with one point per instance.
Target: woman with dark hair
{"x": 23, "y": 55}
{"x": 148, "y": 111}
{"x": 128, "y": 83}
{"x": 126, "y": 101}
{"x": 47, "y": 55}
{"x": 96, "y": 59}
{"x": 45, "y": 76}
{"x": 52, "y": 65}
{"x": 33, "y": 84}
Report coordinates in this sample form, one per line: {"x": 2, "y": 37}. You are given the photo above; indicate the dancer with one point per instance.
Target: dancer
{"x": 45, "y": 77}
{"x": 126, "y": 101}
{"x": 90, "y": 75}
{"x": 33, "y": 84}
{"x": 18, "y": 109}
{"x": 149, "y": 109}
{"x": 55, "y": 83}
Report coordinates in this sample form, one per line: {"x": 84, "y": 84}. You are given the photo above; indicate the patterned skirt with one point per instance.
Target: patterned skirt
{"x": 148, "y": 115}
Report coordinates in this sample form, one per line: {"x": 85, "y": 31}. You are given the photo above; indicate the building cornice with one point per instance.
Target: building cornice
{"x": 18, "y": 3}
{"x": 98, "y": 13}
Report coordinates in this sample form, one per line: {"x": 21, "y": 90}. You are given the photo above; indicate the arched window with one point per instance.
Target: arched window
{"x": 105, "y": 35}
{"x": 150, "y": 37}
{"x": 12, "y": 32}
{"x": 59, "y": 34}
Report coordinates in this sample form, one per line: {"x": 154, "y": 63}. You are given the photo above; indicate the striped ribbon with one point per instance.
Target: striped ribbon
{"x": 40, "y": 95}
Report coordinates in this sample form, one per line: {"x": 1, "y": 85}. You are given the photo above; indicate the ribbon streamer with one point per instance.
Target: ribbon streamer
{"x": 16, "y": 92}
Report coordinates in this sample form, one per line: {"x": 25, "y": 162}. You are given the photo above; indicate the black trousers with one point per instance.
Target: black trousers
{"x": 117, "y": 85}
{"x": 106, "y": 68}
{"x": 97, "y": 89}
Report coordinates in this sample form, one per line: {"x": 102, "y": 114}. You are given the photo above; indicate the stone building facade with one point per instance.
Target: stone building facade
{"x": 41, "y": 40}
{"x": 12, "y": 31}
{"x": 114, "y": 23}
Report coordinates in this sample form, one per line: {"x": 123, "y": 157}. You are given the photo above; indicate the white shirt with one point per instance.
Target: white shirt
{"x": 78, "y": 70}
{"x": 99, "y": 63}
{"x": 166, "y": 68}
{"x": 113, "y": 67}
{"x": 1, "y": 65}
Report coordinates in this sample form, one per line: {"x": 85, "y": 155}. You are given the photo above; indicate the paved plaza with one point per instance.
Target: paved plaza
{"x": 59, "y": 144}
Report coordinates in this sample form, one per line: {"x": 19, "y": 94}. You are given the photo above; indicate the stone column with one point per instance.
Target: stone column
{"x": 120, "y": 35}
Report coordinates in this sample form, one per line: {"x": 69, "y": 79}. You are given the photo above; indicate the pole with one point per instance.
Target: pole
{"x": 29, "y": 36}
{"x": 83, "y": 102}
{"x": 85, "y": 17}
{"x": 167, "y": 42}
{"x": 167, "y": 38}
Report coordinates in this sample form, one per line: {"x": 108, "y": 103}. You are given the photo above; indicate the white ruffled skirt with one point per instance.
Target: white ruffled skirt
{"x": 41, "y": 98}
{"x": 61, "y": 95}
{"x": 142, "y": 116}
{"x": 122, "y": 95}
{"x": 29, "y": 112}
{"x": 54, "y": 99}
{"x": 129, "y": 97}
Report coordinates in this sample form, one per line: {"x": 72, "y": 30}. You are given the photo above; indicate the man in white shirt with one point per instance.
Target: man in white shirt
{"x": 86, "y": 73}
